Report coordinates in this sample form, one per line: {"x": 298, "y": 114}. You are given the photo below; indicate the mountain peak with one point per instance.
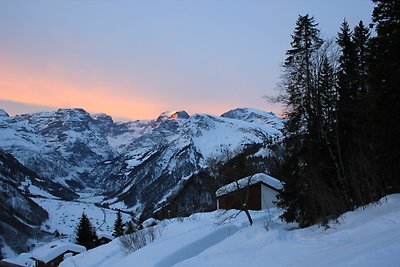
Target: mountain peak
{"x": 3, "y": 113}
{"x": 102, "y": 117}
{"x": 74, "y": 114}
{"x": 72, "y": 110}
{"x": 254, "y": 115}
{"x": 239, "y": 113}
{"x": 173, "y": 115}
{"x": 181, "y": 114}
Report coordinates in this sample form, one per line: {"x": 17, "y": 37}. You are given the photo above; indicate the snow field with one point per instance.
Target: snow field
{"x": 64, "y": 216}
{"x": 365, "y": 237}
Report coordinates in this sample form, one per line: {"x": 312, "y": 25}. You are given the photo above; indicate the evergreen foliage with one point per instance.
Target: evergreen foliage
{"x": 385, "y": 91}
{"x": 309, "y": 89}
{"x": 130, "y": 228}
{"x": 341, "y": 140}
{"x": 85, "y": 233}
{"x": 118, "y": 225}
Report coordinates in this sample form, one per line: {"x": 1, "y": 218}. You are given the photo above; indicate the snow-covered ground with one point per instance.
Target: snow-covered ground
{"x": 64, "y": 216}
{"x": 366, "y": 237}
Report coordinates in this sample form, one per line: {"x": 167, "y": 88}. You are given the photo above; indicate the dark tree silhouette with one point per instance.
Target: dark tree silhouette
{"x": 341, "y": 140}
{"x": 385, "y": 91}
{"x": 85, "y": 233}
{"x": 118, "y": 225}
{"x": 130, "y": 228}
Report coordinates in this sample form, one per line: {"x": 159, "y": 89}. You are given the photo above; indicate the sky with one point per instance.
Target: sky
{"x": 137, "y": 59}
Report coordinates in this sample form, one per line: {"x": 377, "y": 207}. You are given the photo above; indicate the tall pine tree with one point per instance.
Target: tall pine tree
{"x": 355, "y": 142}
{"x": 385, "y": 91}
{"x": 85, "y": 233}
{"x": 118, "y": 225}
{"x": 304, "y": 144}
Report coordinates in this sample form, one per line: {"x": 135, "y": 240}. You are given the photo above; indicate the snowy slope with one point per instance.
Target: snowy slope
{"x": 64, "y": 216}
{"x": 20, "y": 217}
{"x": 366, "y": 237}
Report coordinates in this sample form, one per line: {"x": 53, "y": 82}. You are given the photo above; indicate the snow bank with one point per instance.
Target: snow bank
{"x": 366, "y": 237}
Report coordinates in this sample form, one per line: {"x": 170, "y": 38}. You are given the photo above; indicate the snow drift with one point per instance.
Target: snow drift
{"x": 365, "y": 237}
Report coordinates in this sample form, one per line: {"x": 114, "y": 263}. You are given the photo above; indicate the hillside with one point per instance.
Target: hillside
{"x": 365, "y": 237}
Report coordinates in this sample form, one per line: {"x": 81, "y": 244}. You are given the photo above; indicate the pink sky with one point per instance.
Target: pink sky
{"x": 137, "y": 59}
{"x": 52, "y": 89}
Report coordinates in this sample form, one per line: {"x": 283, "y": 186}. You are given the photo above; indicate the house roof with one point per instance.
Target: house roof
{"x": 105, "y": 235}
{"x": 250, "y": 180}
{"x": 54, "y": 249}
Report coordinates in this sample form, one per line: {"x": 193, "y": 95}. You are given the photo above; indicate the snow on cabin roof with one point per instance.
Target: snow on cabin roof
{"x": 54, "y": 249}
{"x": 105, "y": 235}
{"x": 250, "y": 180}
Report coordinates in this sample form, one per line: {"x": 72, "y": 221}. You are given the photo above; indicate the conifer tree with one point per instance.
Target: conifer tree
{"x": 85, "y": 233}
{"x": 384, "y": 86}
{"x": 353, "y": 115}
{"x": 302, "y": 131}
{"x": 130, "y": 228}
{"x": 118, "y": 225}
{"x": 346, "y": 85}
{"x": 361, "y": 41}
{"x": 341, "y": 142}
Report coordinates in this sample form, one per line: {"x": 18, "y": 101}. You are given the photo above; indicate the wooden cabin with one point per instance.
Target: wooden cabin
{"x": 4, "y": 263}
{"x": 52, "y": 254}
{"x": 104, "y": 239}
{"x": 260, "y": 190}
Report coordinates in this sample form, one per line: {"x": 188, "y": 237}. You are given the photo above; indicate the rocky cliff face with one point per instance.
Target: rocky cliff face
{"x": 20, "y": 216}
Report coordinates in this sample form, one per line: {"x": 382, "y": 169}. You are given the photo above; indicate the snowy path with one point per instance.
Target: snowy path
{"x": 174, "y": 248}
{"x": 198, "y": 246}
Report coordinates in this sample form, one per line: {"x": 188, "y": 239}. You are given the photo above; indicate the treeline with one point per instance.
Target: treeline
{"x": 85, "y": 232}
{"x": 342, "y": 106}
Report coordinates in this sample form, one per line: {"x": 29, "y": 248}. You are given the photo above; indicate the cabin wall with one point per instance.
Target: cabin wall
{"x": 40, "y": 264}
{"x": 54, "y": 262}
{"x": 233, "y": 200}
{"x": 268, "y": 196}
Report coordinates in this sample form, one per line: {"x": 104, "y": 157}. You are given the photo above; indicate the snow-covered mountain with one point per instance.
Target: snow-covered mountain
{"x": 63, "y": 145}
{"x": 158, "y": 163}
{"x": 138, "y": 165}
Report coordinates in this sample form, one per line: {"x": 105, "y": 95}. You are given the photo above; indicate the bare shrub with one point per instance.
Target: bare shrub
{"x": 141, "y": 238}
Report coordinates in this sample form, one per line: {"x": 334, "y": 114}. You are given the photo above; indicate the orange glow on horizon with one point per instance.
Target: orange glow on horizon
{"x": 26, "y": 87}
{"x": 54, "y": 87}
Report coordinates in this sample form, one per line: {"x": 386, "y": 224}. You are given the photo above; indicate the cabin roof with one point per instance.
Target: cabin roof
{"x": 54, "y": 249}
{"x": 105, "y": 235}
{"x": 250, "y": 180}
